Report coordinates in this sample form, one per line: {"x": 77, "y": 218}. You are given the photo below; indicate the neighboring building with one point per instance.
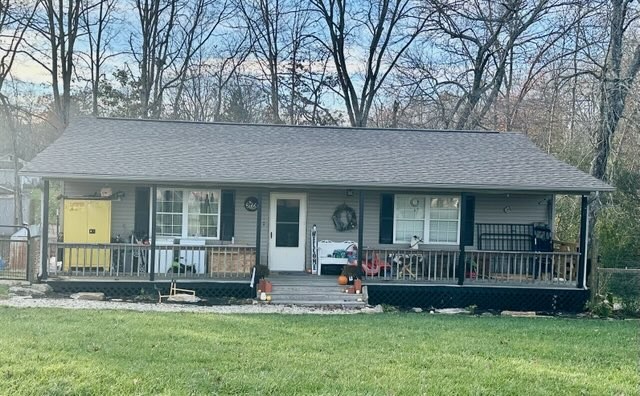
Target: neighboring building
{"x": 426, "y": 208}
{"x": 7, "y": 208}
{"x": 7, "y": 172}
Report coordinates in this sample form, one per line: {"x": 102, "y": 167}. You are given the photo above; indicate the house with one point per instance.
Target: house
{"x": 457, "y": 217}
{"x": 7, "y": 208}
{"x": 8, "y": 174}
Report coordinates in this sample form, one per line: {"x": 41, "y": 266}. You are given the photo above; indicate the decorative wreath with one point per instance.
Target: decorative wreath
{"x": 344, "y": 218}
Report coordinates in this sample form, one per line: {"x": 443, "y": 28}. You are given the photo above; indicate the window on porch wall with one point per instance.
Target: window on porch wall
{"x": 444, "y": 215}
{"x": 410, "y": 217}
{"x": 197, "y": 216}
{"x": 169, "y": 216}
{"x": 436, "y": 217}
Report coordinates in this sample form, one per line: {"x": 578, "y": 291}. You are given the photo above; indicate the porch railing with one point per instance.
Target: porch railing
{"x": 552, "y": 268}
{"x": 410, "y": 265}
{"x": 488, "y": 267}
{"x": 127, "y": 260}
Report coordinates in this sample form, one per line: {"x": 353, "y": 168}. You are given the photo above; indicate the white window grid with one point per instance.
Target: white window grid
{"x": 186, "y": 223}
{"x": 437, "y": 222}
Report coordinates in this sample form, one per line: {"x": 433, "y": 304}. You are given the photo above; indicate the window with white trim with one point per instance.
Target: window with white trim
{"x": 409, "y": 217}
{"x": 188, "y": 213}
{"x": 169, "y": 213}
{"x": 444, "y": 217}
{"x": 434, "y": 219}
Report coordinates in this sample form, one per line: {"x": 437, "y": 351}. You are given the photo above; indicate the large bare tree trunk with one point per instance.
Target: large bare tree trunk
{"x": 615, "y": 84}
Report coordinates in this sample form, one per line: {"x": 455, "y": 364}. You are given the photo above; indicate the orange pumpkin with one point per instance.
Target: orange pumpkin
{"x": 342, "y": 280}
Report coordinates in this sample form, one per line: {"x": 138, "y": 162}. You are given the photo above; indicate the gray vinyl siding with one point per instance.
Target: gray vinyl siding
{"x": 490, "y": 208}
{"x": 245, "y": 221}
{"x": 524, "y": 209}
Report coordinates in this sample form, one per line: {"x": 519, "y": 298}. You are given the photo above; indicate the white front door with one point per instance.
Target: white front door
{"x": 287, "y": 231}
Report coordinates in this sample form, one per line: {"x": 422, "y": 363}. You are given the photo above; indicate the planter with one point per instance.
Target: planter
{"x": 358, "y": 285}
{"x": 268, "y": 286}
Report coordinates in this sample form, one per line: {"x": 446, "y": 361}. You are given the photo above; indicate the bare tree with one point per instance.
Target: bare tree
{"x": 59, "y": 24}
{"x": 154, "y": 51}
{"x": 264, "y": 20}
{"x": 616, "y": 80}
{"x": 171, "y": 33}
{"x": 206, "y": 16}
{"x": 98, "y": 24}
{"x": 485, "y": 36}
{"x": 383, "y": 29}
{"x": 207, "y": 80}
{"x": 14, "y": 21}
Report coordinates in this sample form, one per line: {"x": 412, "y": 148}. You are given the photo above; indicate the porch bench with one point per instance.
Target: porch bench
{"x": 327, "y": 259}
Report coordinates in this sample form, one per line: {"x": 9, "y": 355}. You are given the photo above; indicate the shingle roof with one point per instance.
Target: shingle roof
{"x": 173, "y": 151}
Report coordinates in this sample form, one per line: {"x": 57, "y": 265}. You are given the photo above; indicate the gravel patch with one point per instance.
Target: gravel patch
{"x": 19, "y": 302}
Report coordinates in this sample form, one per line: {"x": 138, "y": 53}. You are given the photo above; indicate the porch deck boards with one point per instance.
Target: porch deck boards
{"x": 313, "y": 280}
{"x": 145, "y": 279}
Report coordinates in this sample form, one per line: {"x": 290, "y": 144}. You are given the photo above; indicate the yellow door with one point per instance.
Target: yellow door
{"x": 87, "y": 222}
{"x": 99, "y": 232}
{"x": 74, "y": 231}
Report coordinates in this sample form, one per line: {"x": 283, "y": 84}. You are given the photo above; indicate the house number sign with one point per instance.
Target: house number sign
{"x": 251, "y": 204}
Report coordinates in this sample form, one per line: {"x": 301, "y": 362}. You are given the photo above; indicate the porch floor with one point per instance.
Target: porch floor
{"x": 311, "y": 280}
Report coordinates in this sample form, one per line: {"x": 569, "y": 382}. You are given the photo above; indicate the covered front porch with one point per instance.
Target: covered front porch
{"x": 484, "y": 250}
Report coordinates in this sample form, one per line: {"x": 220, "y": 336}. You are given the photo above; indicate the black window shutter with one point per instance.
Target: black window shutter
{"x": 386, "y": 218}
{"x": 141, "y": 214}
{"x": 227, "y": 215}
{"x": 468, "y": 214}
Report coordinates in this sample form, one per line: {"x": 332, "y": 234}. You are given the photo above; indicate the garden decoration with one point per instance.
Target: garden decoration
{"x": 344, "y": 218}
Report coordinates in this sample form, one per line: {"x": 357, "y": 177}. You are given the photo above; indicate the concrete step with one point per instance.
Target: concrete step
{"x": 316, "y": 296}
{"x": 303, "y": 289}
{"x": 302, "y": 282}
{"x": 312, "y": 291}
{"x": 321, "y": 303}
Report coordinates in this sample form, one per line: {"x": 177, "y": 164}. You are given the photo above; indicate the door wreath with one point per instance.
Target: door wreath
{"x": 344, "y": 218}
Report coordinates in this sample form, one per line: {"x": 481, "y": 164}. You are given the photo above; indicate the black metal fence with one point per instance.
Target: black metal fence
{"x": 514, "y": 237}
{"x": 16, "y": 254}
{"x": 622, "y": 285}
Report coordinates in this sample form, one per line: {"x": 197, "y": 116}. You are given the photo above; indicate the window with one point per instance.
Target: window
{"x": 188, "y": 213}
{"x": 169, "y": 216}
{"x": 434, "y": 219}
{"x": 410, "y": 217}
{"x": 444, "y": 215}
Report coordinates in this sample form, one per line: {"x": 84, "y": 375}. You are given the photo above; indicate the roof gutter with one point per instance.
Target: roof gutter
{"x": 324, "y": 184}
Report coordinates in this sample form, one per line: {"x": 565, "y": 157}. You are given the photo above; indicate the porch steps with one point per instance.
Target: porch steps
{"x": 312, "y": 291}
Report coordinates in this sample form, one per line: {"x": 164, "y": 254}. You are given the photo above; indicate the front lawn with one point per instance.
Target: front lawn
{"x": 56, "y": 352}
{"x": 4, "y": 292}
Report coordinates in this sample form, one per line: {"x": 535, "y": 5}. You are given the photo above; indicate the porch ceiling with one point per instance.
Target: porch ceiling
{"x": 276, "y": 155}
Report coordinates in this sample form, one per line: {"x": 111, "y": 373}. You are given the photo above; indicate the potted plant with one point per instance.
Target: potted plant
{"x": 352, "y": 272}
{"x": 262, "y": 271}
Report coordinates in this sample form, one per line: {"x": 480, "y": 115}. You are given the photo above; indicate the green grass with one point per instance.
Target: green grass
{"x": 57, "y": 352}
{"x": 4, "y": 292}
